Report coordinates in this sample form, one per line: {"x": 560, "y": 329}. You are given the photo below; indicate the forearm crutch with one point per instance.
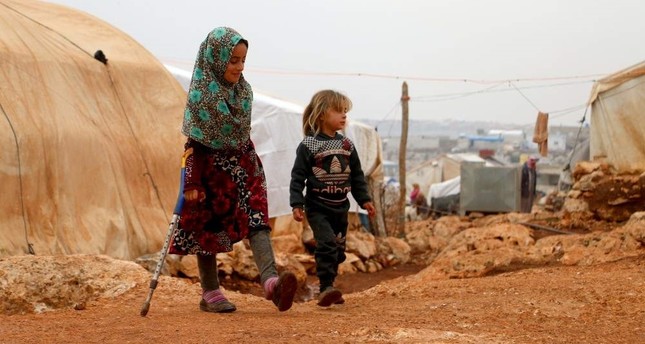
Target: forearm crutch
{"x": 174, "y": 223}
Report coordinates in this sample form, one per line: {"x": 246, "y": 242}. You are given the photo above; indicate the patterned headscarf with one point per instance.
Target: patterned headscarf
{"x": 218, "y": 113}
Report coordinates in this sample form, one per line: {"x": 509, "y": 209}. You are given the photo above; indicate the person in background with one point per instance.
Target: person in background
{"x": 225, "y": 187}
{"x": 327, "y": 165}
{"x": 414, "y": 193}
{"x": 528, "y": 184}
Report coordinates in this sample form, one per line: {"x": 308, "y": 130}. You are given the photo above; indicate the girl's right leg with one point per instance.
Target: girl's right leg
{"x": 213, "y": 300}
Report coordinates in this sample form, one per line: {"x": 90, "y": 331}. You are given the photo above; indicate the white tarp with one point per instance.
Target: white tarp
{"x": 443, "y": 189}
{"x": 618, "y": 118}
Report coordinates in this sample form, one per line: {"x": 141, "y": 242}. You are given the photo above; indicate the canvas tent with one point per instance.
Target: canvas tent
{"x": 89, "y": 152}
{"x": 618, "y": 118}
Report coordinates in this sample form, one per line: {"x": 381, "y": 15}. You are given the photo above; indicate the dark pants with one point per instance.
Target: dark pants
{"x": 329, "y": 230}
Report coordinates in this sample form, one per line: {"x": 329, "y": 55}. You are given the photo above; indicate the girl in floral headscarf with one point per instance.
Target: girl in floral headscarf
{"x": 225, "y": 187}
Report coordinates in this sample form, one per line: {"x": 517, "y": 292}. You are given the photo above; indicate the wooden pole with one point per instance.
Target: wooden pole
{"x": 402, "y": 157}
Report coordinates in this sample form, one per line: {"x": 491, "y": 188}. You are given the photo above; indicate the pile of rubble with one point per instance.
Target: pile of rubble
{"x": 292, "y": 246}
{"x": 601, "y": 193}
{"x": 460, "y": 247}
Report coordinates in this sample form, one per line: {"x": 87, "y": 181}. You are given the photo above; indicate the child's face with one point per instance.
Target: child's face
{"x": 334, "y": 120}
{"x": 235, "y": 65}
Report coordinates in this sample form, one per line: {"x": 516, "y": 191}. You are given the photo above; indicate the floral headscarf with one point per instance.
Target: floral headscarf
{"x": 218, "y": 113}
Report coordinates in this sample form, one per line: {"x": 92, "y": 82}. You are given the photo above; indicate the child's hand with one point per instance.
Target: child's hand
{"x": 298, "y": 214}
{"x": 371, "y": 211}
{"x": 194, "y": 195}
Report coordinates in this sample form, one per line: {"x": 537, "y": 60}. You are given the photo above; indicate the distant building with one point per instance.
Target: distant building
{"x": 557, "y": 143}
{"x": 446, "y": 167}
{"x": 514, "y": 138}
{"x": 467, "y": 143}
{"x": 419, "y": 148}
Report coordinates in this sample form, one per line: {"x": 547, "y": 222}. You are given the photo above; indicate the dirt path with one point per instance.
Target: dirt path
{"x": 594, "y": 304}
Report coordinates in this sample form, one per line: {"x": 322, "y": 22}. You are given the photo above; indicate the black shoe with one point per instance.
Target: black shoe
{"x": 217, "y": 307}
{"x": 285, "y": 290}
{"x": 340, "y": 301}
{"x": 329, "y": 297}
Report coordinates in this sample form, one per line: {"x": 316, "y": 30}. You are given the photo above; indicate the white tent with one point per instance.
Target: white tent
{"x": 618, "y": 118}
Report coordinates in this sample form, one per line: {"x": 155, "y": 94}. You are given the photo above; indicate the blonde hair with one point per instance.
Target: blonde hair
{"x": 321, "y": 102}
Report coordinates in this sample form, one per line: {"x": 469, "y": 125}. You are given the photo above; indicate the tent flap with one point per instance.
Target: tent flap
{"x": 618, "y": 119}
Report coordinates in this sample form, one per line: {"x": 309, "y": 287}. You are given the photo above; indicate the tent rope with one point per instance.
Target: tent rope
{"x": 30, "y": 247}
{"x": 575, "y": 143}
{"x": 134, "y": 136}
{"x": 524, "y": 96}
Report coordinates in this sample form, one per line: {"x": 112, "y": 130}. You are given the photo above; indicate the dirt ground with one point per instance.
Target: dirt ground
{"x": 558, "y": 304}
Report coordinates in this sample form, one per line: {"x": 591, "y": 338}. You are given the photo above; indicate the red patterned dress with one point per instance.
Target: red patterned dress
{"x": 235, "y": 202}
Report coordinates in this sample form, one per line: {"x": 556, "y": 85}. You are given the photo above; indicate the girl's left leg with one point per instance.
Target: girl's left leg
{"x": 213, "y": 300}
{"x": 280, "y": 289}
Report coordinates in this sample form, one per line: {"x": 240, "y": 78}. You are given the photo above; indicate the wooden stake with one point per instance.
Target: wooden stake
{"x": 402, "y": 155}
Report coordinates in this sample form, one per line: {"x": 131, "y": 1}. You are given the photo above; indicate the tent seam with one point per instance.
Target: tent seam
{"x": 30, "y": 247}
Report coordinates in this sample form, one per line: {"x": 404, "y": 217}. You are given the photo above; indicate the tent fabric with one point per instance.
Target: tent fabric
{"x": 618, "y": 119}
{"x": 446, "y": 188}
{"x": 89, "y": 152}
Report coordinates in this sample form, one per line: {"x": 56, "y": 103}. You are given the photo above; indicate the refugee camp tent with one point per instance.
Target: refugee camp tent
{"x": 618, "y": 118}
{"x": 444, "y": 197}
{"x": 89, "y": 151}
{"x": 276, "y": 131}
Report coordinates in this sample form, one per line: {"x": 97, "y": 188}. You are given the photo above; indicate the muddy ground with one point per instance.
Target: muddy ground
{"x": 602, "y": 303}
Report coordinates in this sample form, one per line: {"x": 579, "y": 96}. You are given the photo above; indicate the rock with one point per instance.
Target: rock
{"x": 362, "y": 244}
{"x": 346, "y": 268}
{"x": 397, "y": 248}
{"x": 584, "y": 168}
{"x": 574, "y": 205}
{"x": 419, "y": 240}
{"x": 188, "y": 267}
{"x": 35, "y": 284}
{"x": 447, "y": 226}
{"x": 288, "y": 243}
{"x": 288, "y": 262}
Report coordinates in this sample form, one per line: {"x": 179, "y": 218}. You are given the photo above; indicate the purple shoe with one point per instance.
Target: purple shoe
{"x": 217, "y": 307}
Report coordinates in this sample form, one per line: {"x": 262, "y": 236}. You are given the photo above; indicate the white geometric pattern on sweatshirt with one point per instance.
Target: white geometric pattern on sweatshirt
{"x": 316, "y": 146}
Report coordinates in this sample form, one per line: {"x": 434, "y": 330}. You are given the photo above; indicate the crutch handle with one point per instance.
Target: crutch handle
{"x": 180, "y": 197}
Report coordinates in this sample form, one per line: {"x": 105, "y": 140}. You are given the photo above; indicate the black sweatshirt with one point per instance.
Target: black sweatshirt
{"x": 329, "y": 168}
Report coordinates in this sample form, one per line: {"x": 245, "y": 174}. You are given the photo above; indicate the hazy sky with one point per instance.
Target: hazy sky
{"x": 456, "y": 55}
